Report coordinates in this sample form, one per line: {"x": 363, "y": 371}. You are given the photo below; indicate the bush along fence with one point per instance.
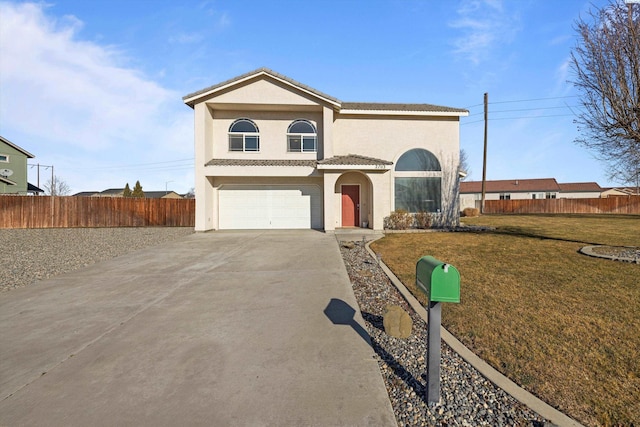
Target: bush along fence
{"x": 629, "y": 205}
{"x": 78, "y": 212}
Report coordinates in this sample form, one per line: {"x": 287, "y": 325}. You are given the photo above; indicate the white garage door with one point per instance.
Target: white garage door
{"x": 270, "y": 206}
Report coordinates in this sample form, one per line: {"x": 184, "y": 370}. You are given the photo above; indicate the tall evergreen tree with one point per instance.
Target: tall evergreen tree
{"x": 137, "y": 190}
{"x": 127, "y": 191}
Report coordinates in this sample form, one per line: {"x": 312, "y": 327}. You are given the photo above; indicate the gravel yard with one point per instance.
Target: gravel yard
{"x": 36, "y": 254}
{"x": 467, "y": 398}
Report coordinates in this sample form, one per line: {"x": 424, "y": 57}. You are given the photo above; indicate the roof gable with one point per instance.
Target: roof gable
{"x": 15, "y": 147}
{"x": 253, "y": 76}
{"x": 237, "y": 84}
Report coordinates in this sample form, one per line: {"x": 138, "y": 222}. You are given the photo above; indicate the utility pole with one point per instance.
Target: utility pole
{"x": 38, "y": 166}
{"x": 484, "y": 158}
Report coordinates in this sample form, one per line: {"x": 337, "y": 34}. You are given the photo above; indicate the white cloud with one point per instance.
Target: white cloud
{"x": 77, "y": 101}
{"x": 483, "y": 25}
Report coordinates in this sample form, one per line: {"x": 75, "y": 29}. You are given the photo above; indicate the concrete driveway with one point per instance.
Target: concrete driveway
{"x": 218, "y": 329}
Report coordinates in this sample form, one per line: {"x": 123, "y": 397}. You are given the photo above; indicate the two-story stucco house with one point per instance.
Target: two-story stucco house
{"x": 271, "y": 152}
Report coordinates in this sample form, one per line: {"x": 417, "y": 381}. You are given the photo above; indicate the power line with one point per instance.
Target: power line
{"x": 516, "y": 118}
{"x": 143, "y": 166}
{"x": 534, "y": 99}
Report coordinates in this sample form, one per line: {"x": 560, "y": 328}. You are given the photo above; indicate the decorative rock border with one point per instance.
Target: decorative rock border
{"x": 616, "y": 253}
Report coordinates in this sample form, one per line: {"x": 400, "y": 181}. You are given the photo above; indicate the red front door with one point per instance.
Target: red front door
{"x": 350, "y": 205}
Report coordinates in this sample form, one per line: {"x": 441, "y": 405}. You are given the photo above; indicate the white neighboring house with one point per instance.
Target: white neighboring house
{"x": 511, "y": 189}
{"x": 580, "y": 190}
{"x": 271, "y": 152}
{"x": 521, "y": 189}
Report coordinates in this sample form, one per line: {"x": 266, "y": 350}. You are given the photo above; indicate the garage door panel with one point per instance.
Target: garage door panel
{"x": 264, "y": 207}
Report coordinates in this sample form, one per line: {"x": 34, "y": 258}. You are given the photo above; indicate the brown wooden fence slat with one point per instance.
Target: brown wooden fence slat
{"x": 73, "y": 212}
{"x": 629, "y": 205}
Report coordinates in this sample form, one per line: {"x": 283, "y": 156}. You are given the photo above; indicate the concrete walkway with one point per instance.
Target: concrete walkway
{"x": 218, "y": 329}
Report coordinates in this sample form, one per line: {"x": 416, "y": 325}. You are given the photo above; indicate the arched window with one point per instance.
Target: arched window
{"x": 418, "y": 182}
{"x": 418, "y": 160}
{"x": 302, "y": 137}
{"x": 244, "y": 136}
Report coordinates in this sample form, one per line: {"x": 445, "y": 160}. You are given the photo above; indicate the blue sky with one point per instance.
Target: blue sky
{"x": 95, "y": 88}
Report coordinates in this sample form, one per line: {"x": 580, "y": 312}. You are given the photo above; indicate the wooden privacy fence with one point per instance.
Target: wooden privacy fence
{"x": 74, "y": 212}
{"x": 612, "y": 205}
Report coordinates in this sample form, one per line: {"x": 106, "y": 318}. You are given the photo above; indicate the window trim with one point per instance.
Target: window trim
{"x": 244, "y": 136}
{"x": 302, "y": 137}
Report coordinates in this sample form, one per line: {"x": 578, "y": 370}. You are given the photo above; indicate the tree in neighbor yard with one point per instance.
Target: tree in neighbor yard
{"x": 56, "y": 186}
{"x": 127, "y": 191}
{"x": 464, "y": 165}
{"x": 137, "y": 190}
{"x": 606, "y": 68}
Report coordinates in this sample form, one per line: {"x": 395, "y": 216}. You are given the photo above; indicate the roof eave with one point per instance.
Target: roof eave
{"x": 404, "y": 113}
{"x": 378, "y": 167}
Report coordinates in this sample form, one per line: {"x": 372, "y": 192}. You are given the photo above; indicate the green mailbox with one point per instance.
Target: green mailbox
{"x": 441, "y": 283}
{"x": 438, "y": 280}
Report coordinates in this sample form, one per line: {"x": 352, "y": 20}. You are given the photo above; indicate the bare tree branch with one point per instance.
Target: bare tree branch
{"x": 56, "y": 186}
{"x": 606, "y": 67}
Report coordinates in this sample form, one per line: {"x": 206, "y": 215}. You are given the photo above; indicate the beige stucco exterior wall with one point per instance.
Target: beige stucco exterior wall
{"x": 388, "y": 137}
{"x": 265, "y": 91}
{"x": 205, "y": 196}
{"x": 273, "y": 133}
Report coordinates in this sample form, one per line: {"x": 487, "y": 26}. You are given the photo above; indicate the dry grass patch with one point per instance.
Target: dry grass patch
{"x": 561, "y": 324}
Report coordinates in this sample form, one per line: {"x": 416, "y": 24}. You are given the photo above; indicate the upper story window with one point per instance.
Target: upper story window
{"x": 244, "y": 136}
{"x": 4, "y": 158}
{"x": 302, "y": 137}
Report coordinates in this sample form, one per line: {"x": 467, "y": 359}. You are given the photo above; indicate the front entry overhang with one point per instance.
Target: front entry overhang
{"x": 354, "y": 162}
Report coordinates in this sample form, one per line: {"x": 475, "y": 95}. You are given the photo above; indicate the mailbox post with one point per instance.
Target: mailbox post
{"x": 440, "y": 282}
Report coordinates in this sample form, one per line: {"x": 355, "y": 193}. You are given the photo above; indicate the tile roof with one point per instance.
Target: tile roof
{"x": 376, "y": 106}
{"x": 577, "y": 187}
{"x": 511, "y": 186}
{"x": 353, "y": 159}
{"x": 364, "y": 106}
{"x": 257, "y": 162}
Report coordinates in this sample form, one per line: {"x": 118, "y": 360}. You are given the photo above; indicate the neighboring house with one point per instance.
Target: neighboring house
{"x": 620, "y": 191}
{"x": 513, "y": 189}
{"x": 273, "y": 153}
{"x": 119, "y": 192}
{"x": 162, "y": 195}
{"x": 111, "y": 192}
{"x": 580, "y": 190}
{"x": 13, "y": 169}
{"x": 519, "y": 189}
